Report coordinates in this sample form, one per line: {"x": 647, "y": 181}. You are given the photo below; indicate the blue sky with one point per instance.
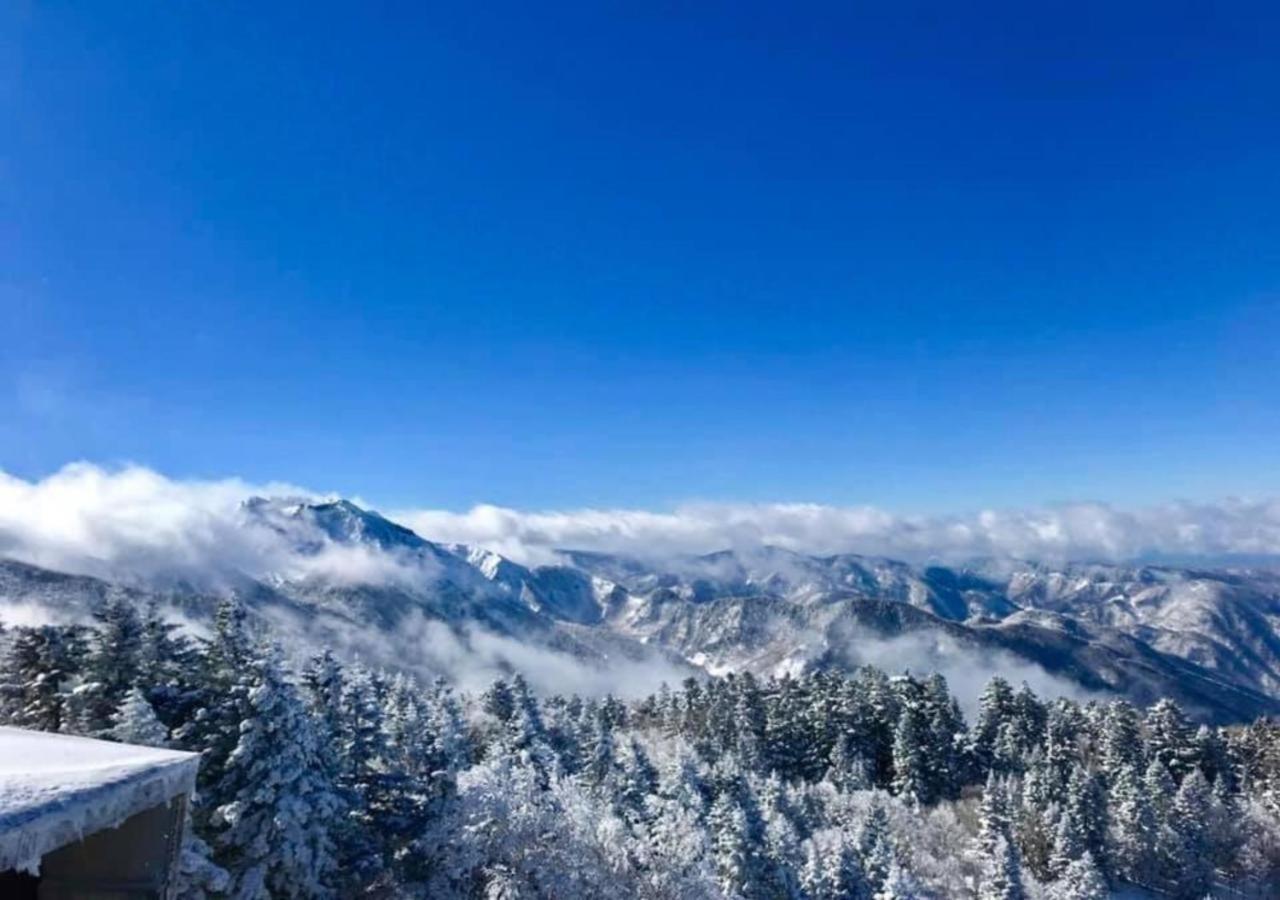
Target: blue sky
{"x": 910, "y": 255}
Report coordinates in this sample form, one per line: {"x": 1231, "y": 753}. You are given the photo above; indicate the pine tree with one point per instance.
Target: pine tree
{"x": 322, "y": 684}
{"x": 898, "y": 885}
{"x": 1121, "y": 738}
{"x": 1069, "y": 844}
{"x": 847, "y": 769}
{"x": 1189, "y": 818}
{"x": 168, "y": 668}
{"x": 1133, "y": 829}
{"x": 1210, "y": 750}
{"x": 40, "y": 662}
{"x": 910, "y": 775}
{"x": 1169, "y": 738}
{"x": 498, "y": 701}
{"x": 946, "y": 735}
{"x": 994, "y": 821}
{"x": 875, "y": 846}
{"x": 1001, "y": 874}
{"x": 453, "y": 743}
{"x": 784, "y": 728}
{"x": 113, "y": 665}
{"x": 750, "y": 719}
{"x": 1001, "y": 877}
{"x": 1159, "y": 787}
{"x": 995, "y": 708}
{"x": 274, "y": 803}
{"x": 735, "y": 867}
{"x": 831, "y": 870}
{"x": 637, "y": 780}
{"x": 1081, "y": 880}
{"x": 1086, "y": 805}
{"x": 135, "y": 722}
{"x": 601, "y": 759}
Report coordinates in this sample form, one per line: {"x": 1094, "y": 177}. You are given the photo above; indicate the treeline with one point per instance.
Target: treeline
{"x": 338, "y": 781}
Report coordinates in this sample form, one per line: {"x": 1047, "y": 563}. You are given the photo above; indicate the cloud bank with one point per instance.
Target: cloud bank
{"x": 1079, "y": 531}
{"x": 131, "y": 520}
{"x": 135, "y": 525}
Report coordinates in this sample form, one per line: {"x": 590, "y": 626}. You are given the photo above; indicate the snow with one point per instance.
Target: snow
{"x": 55, "y": 789}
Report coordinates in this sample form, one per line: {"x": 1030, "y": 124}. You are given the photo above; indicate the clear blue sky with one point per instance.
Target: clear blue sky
{"x": 931, "y": 257}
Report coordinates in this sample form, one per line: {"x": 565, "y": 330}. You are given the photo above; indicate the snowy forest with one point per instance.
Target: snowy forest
{"x": 332, "y": 780}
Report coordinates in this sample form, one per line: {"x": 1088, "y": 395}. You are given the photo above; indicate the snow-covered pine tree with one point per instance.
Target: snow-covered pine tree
{"x": 112, "y": 666}
{"x": 994, "y": 820}
{"x": 38, "y": 665}
{"x": 1189, "y": 819}
{"x": 1001, "y": 877}
{"x": 1169, "y": 738}
{"x": 898, "y": 885}
{"x": 1080, "y": 880}
{"x": 637, "y": 780}
{"x": 911, "y": 776}
{"x": 135, "y": 722}
{"x": 848, "y": 769}
{"x": 600, "y": 756}
{"x": 1121, "y": 743}
{"x": 995, "y": 708}
{"x": 749, "y": 719}
{"x": 275, "y": 804}
{"x": 1133, "y": 828}
{"x": 498, "y": 701}
{"x": 946, "y": 739}
{"x": 876, "y": 849}
{"x": 1086, "y": 804}
{"x": 735, "y": 858}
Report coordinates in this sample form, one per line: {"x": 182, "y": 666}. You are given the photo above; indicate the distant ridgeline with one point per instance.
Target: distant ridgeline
{"x": 338, "y": 781}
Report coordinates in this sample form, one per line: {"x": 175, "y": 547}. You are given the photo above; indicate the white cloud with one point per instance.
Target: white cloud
{"x": 1065, "y": 532}
{"x": 135, "y": 522}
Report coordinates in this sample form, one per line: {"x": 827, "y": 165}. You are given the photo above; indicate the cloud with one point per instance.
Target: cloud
{"x": 472, "y": 657}
{"x": 966, "y": 669}
{"x": 1079, "y": 531}
{"x": 134, "y": 525}
{"x": 134, "y": 522}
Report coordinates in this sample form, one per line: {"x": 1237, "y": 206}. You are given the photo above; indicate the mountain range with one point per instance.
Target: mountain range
{"x": 373, "y": 589}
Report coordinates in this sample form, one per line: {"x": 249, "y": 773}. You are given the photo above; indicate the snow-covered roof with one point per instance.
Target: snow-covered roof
{"x": 55, "y": 789}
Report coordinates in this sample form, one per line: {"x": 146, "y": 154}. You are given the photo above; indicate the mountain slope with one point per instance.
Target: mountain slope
{"x": 355, "y": 580}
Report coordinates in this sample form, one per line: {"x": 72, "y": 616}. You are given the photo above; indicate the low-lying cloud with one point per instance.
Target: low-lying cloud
{"x": 135, "y": 522}
{"x": 1077, "y": 531}
{"x": 137, "y": 526}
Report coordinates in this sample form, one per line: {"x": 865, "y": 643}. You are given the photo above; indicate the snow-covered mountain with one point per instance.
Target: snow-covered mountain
{"x": 357, "y": 581}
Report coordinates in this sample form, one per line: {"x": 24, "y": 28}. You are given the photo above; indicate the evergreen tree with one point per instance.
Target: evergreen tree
{"x": 638, "y": 779}
{"x": 1121, "y": 738}
{"x": 601, "y": 759}
{"x": 1169, "y": 738}
{"x": 135, "y": 722}
{"x": 876, "y": 848}
{"x": 994, "y": 822}
{"x": 945, "y": 739}
{"x": 1189, "y": 819}
{"x": 274, "y": 803}
{"x": 911, "y": 778}
{"x": 995, "y": 708}
{"x": 1081, "y": 880}
{"x": 498, "y": 701}
{"x": 38, "y": 665}
{"x": 113, "y": 665}
{"x": 1001, "y": 877}
{"x": 1134, "y": 829}
{"x": 735, "y": 865}
{"x": 898, "y": 885}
